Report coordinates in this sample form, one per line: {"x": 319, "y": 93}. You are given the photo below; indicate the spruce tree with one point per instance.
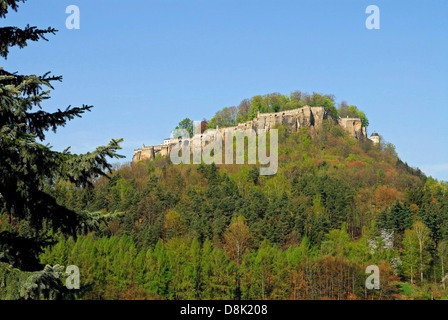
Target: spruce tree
{"x": 27, "y": 166}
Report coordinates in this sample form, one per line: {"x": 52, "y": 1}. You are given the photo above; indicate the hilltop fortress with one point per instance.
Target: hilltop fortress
{"x": 310, "y": 117}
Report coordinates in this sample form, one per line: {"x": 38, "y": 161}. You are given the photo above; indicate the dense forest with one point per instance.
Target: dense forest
{"x": 154, "y": 230}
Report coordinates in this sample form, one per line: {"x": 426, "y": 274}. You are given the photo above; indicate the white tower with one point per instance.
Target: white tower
{"x": 375, "y": 137}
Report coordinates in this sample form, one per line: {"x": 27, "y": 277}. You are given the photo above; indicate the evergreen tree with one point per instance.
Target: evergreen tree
{"x": 400, "y": 216}
{"x": 383, "y": 221}
{"x": 28, "y": 166}
{"x": 160, "y": 274}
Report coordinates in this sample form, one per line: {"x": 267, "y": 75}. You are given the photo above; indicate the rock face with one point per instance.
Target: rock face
{"x": 386, "y": 241}
{"x": 310, "y": 117}
{"x": 149, "y": 153}
{"x": 354, "y": 127}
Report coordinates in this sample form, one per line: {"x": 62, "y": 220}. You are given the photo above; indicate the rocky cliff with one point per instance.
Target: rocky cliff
{"x": 310, "y": 117}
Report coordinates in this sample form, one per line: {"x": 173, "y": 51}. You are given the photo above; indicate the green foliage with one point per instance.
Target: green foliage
{"x": 276, "y": 102}
{"x": 397, "y": 218}
{"x": 187, "y": 125}
{"x": 19, "y": 285}
{"x": 29, "y": 169}
{"x": 330, "y": 108}
{"x": 410, "y": 257}
{"x": 352, "y": 112}
{"x": 158, "y": 231}
{"x": 271, "y": 237}
{"x": 183, "y": 268}
{"x": 198, "y": 232}
{"x": 224, "y": 118}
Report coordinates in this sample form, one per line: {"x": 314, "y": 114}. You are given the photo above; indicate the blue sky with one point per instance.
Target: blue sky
{"x": 146, "y": 65}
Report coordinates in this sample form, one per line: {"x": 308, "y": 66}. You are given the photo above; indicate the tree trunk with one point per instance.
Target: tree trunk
{"x": 421, "y": 264}
{"x": 443, "y": 274}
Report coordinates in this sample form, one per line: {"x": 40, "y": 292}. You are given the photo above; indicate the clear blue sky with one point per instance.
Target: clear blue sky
{"x": 146, "y": 65}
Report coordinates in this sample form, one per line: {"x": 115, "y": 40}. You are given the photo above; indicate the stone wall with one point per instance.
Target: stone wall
{"x": 149, "y": 153}
{"x": 310, "y": 117}
{"x": 354, "y": 127}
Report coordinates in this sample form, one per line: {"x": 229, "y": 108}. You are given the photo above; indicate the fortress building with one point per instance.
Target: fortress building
{"x": 375, "y": 137}
{"x": 310, "y": 117}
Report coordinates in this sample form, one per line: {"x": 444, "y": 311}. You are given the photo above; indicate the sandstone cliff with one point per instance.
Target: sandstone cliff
{"x": 310, "y": 117}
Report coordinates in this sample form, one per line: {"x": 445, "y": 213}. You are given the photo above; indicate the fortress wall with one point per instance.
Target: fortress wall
{"x": 310, "y": 117}
{"x": 354, "y": 127}
{"x": 145, "y": 153}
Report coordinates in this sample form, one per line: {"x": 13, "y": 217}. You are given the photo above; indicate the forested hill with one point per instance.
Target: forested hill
{"x": 207, "y": 231}
{"x": 154, "y": 230}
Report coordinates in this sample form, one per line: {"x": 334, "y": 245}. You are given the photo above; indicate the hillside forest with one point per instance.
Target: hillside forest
{"x": 154, "y": 230}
